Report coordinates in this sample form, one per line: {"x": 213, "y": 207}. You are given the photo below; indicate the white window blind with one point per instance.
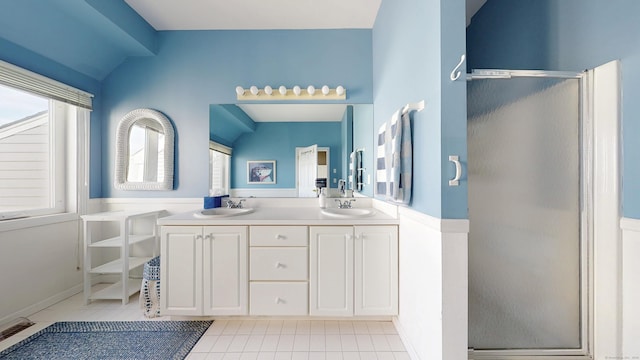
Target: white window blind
{"x": 220, "y": 166}
{"x": 26, "y": 80}
{"x": 219, "y": 148}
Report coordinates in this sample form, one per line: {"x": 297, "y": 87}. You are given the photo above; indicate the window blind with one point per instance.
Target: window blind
{"x": 26, "y": 80}
{"x": 219, "y": 148}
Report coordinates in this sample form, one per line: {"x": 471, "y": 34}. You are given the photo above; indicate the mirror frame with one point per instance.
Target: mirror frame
{"x": 122, "y": 151}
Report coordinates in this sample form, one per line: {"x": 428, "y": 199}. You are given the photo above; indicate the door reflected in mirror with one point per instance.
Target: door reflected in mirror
{"x": 312, "y": 164}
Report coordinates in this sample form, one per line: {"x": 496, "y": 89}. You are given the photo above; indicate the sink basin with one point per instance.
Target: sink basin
{"x": 221, "y": 212}
{"x": 348, "y": 213}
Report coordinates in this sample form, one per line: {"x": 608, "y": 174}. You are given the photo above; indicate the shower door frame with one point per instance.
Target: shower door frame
{"x": 586, "y": 147}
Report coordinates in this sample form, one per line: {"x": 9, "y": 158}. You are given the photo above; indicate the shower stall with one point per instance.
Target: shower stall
{"x": 529, "y": 214}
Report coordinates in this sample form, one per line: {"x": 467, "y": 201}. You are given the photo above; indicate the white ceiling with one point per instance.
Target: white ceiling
{"x": 294, "y": 112}
{"x": 257, "y": 14}
{"x": 263, "y": 15}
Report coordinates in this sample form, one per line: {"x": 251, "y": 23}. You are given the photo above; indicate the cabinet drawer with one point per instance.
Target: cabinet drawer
{"x": 279, "y": 236}
{"x": 276, "y": 298}
{"x": 276, "y": 263}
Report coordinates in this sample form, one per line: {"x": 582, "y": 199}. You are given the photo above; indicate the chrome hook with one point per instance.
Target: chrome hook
{"x": 455, "y": 73}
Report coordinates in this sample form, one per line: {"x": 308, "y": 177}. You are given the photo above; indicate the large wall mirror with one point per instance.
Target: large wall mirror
{"x": 144, "y": 151}
{"x": 277, "y": 132}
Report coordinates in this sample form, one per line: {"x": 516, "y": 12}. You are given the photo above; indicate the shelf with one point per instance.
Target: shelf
{"x": 114, "y": 291}
{"x": 115, "y": 267}
{"x": 117, "y": 241}
{"x": 126, "y": 223}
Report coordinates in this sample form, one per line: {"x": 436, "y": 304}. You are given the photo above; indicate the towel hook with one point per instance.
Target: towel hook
{"x": 455, "y": 73}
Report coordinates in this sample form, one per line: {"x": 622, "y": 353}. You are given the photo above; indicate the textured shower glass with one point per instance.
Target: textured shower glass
{"x": 524, "y": 212}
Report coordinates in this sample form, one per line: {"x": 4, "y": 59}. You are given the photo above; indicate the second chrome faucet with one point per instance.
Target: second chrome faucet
{"x": 346, "y": 204}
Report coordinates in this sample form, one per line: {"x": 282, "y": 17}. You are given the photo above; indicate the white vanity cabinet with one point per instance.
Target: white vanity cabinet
{"x": 353, "y": 270}
{"x": 376, "y": 270}
{"x": 278, "y": 270}
{"x": 279, "y": 261}
{"x": 331, "y": 271}
{"x": 203, "y": 270}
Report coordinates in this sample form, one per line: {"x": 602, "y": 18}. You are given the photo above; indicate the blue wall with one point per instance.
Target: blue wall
{"x": 278, "y": 141}
{"x": 577, "y": 35}
{"x": 194, "y": 69}
{"x": 416, "y": 43}
{"x": 77, "y": 42}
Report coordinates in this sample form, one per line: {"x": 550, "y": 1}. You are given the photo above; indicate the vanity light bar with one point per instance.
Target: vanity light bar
{"x": 295, "y": 93}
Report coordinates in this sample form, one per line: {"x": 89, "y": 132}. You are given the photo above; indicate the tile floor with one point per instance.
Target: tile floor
{"x": 246, "y": 339}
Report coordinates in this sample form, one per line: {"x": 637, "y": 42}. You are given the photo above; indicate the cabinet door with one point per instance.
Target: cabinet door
{"x": 181, "y": 270}
{"x": 225, "y": 270}
{"x": 376, "y": 270}
{"x": 331, "y": 271}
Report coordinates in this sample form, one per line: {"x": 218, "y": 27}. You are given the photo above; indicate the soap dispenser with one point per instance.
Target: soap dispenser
{"x": 322, "y": 198}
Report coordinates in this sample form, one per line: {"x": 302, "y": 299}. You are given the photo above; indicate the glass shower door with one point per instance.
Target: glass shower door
{"x": 525, "y": 186}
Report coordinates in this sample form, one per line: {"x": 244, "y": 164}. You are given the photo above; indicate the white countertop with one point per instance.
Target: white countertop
{"x": 305, "y": 215}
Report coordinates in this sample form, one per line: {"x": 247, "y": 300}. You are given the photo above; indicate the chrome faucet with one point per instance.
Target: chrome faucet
{"x": 344, "y": 204}
{"x": 235, "y": 205}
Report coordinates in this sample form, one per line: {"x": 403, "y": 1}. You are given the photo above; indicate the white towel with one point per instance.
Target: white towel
{"x": 396, "y": 165}
{"x": 381, "y": 157}
{"x": 394, "y": 159}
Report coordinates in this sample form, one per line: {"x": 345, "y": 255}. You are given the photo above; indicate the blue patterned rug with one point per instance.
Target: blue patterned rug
{"x": 110, "y": 340}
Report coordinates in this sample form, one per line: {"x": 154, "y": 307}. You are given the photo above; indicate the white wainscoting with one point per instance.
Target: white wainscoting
{"x": 433, "y": 286}
{"x": 630, "y": 288}
{"x": 39, "y": 267}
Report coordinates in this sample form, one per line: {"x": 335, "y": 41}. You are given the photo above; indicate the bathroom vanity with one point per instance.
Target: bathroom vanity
{"x": 279, "y": 261}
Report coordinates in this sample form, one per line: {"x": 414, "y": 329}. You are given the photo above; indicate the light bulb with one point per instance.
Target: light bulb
{"x": 325, "y": 90}
{"x": 296, "y": 90}
{"x": 239, "y": 90}
{"x": 254, "y": 90}
{"x": 311, "y": 90}
{"x": 283, "y": 90}
{"x": 268, "y": 90}
{"x": 340, "y": 90}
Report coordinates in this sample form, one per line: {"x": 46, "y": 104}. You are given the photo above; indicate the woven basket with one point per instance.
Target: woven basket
{"x": 151, "y": 269}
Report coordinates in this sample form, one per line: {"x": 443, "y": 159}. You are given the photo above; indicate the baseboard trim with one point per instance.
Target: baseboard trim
{"x": 404, "y": 338}
{"x": 41, "y": 305}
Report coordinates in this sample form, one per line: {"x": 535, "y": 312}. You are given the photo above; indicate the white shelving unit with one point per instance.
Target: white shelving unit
{"x": 126, "y": 286}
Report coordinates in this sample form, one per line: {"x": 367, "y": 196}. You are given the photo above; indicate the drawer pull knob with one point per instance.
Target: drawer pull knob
{"x": 279, "y": 300}
{"x": 280, "y": 237}
{"x": 280, "y": 265}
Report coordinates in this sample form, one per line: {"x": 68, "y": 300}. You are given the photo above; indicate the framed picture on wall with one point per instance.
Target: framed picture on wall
{"x": 261, "y": 172}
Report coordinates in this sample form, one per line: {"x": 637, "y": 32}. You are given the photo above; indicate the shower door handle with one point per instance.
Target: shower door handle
{"x": 456, "y": 180}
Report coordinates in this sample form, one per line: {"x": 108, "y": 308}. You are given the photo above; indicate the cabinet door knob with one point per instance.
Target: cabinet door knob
{"x": 279, "y": 300}
{"x": 198, "y": 237}
{"x": 280, "y": 265}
